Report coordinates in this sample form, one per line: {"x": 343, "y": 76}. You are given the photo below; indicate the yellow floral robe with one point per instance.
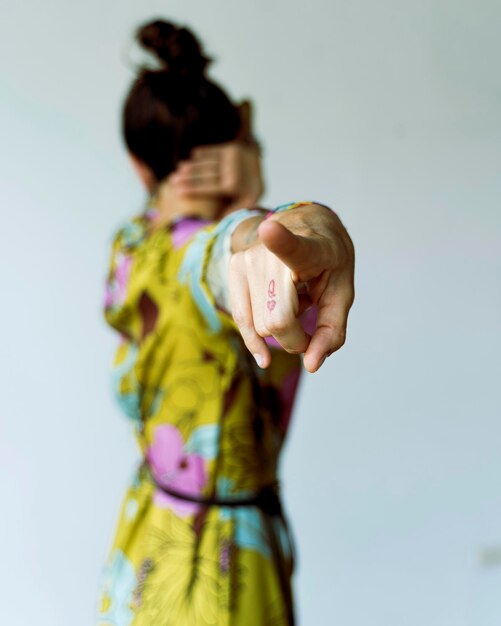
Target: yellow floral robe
{"x": 209, "y": 423}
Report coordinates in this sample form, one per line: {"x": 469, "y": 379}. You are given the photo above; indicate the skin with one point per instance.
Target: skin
{"x": 279, "y": 267}
{"x": 232, "y": 171}
{"x": 170, "y": 202}
{"x": 306, "y": 246}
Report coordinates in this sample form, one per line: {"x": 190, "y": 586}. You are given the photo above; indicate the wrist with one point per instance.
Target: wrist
{"x": 286, "y": 207}
{"x": 246, "y": 233}
{"x": 305, "y": 218}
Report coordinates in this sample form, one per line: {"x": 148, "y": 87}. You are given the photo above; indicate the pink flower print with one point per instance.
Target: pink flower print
{"x": 116, "y": 289}
{"x": 184, "y": 229}
{"x": 108, "y": 296}
{"x": 124, "y": 264}
{"x": 174, "y": 468}
{"x": 225, "y": 554}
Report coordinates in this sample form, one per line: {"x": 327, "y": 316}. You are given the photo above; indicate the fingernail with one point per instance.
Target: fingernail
{"x": 259, "y": 359}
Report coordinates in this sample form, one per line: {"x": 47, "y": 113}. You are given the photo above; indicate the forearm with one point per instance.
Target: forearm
{"x": 275, "y": 264}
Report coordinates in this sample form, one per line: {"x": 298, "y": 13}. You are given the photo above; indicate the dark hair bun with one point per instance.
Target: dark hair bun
{"x": 175, "y": 47}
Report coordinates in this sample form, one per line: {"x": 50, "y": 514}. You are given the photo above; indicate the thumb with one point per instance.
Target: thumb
{"x": 300, "y": 254}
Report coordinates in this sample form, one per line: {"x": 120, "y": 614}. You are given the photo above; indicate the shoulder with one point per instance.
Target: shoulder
{"x": 131, "y": 233}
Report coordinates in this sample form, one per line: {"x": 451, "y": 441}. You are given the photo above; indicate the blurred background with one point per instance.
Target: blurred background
{"x": 388, "y": 111}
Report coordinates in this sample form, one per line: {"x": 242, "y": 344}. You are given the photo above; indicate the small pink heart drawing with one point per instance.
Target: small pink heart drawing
{"x": 271, "y": 304}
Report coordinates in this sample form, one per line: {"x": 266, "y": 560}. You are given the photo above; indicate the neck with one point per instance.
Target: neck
{"x": 170, "y": 204}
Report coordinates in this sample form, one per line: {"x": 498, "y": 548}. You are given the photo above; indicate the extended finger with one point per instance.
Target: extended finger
{"x": 330, "y": 333}
{"x": 242, "y": 312}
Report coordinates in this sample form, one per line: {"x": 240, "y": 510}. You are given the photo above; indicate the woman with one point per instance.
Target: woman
{"x": 201, "y": 537}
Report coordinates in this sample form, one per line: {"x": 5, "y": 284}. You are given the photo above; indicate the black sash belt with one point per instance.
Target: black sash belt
{"x": 268, "y": 501}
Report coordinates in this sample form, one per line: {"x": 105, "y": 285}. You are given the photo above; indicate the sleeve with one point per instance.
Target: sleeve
{"x": 118, "y": 295}
{"x": 218, "y": 265}
{"x": 116, "y": 279}
{"x": 205, "y": 268}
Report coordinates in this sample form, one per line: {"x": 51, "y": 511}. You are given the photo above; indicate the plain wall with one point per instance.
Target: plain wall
{"x": 390, "y": 112}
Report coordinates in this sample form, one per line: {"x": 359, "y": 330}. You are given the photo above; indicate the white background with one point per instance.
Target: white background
{"x": 390, "y": 112}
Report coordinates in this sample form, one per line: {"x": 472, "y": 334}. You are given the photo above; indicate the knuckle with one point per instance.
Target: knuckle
{"x": 262, "y": 331}
{"x": 278, "y": 325}
{"x": 240, "y": 319}
{"x": 292, "y": 350}
{"x": 249, "y": 259}
{"x": 235, "y": 261}
{"x": 350, "y": 296}
{"x": 339, "y": 340}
